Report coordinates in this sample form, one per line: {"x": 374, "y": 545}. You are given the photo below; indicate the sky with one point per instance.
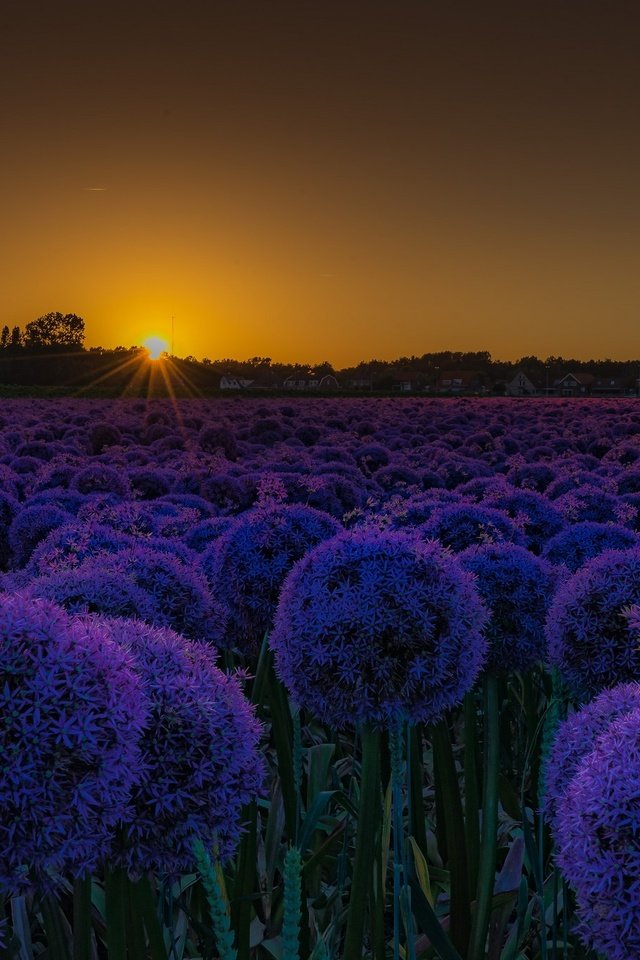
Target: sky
{"x": 325, "y": 179}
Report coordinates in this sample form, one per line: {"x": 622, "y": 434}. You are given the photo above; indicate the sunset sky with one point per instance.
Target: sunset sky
{"x": 325, "y": 179}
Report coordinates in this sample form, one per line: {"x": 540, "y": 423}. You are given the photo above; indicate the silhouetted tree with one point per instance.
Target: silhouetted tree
{"x": 16, "y": 337}
{"x": 4, "y": 338}
{"x": 55, "y": 330}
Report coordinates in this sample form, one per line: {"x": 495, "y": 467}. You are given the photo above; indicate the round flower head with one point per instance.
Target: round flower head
{"x": 31, "y": 526}
{"x": 462, "y": 525}
{"x": 71, "y": 712}
{"x": 373, "y": 626}
{"x": 587, "y": 631}
{"x": 517, "y": 589}
{"x": 598, "y": 836}
{"x": 539, "y": 518}
{"x": 579, "y": 542}
{"x": 200, "y": 749}
{"x": 247, "y": 565}
{"x": 577, "y": 735}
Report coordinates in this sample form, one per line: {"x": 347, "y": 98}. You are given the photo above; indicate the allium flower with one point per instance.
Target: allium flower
{"x": 580, "y": 542}
{"x": 372, "y": 626}
{"x": 200, "y": 747}
{"x": 462, "y": 525}
{"x": 31, "y": 525}
{"x": 516, "y": 588}
{"x": 538, "y": 518}
{"x": 587, "y": 631}
{"x": 598, "y": 836}
{"x": 95, "y": 586}
{"x": 98, "y": 478}
{"x": 594, "y": 504}
{"x": 576, "y": 737}
{"x": 247, "y": 565}
{"x": 71, "y": 712}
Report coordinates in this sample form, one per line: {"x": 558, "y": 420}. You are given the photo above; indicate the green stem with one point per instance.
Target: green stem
{"x": 57, "y": 944}
{"x": 116, "y": 934}
{"x": 362, "y": 867}
{"x": 146, "y": 902}
{"x": 416, "y": 779}
{"x": 82, "y": 918}
{"x": 282, "y": 731}
{"x": 471, "y": 800}
{"x": 455, "y": 836}
{"x": 487, "y": 867}
{"x": 243, "y": 887}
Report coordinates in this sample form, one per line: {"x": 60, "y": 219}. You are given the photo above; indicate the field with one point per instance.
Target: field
{"x": 320, "y": 678}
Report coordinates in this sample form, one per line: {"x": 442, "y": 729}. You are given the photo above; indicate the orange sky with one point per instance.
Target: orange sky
{"x": 325, "y": 179}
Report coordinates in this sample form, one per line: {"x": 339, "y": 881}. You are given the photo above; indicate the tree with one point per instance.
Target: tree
{"x": 55, "y": 330}
{"x": 4, "y": 338}
{"x": 16, "y": 337}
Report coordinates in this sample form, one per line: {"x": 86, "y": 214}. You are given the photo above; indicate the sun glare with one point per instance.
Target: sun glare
{"x": 156, "y": 347}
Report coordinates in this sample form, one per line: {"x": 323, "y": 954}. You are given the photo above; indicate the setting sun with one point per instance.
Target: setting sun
{"x": 156, "y": 347}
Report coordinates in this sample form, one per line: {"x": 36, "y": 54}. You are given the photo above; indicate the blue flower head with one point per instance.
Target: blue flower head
{"x": 373, "y": 626}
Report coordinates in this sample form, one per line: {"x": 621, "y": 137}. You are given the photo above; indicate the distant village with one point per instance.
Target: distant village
{"x": 50, "y": 352}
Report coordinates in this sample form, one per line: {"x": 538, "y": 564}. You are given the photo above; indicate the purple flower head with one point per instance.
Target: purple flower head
{"x": 587, "y": 630}
{"x": 516, "y": 588}
{"x": 580, "y": 542}
{"x": 200, "y": 749}
{"x": 598, "y": 838}
{"x": 99, "y": 478}
{"x": 594, "y": 504}
{"x": 576, "y": 736}
{"x": 95, "y": 586}
{"x": 247, "y": 565}
{"x": 31, "y": 525}
{"x": 71, "y": 712}
{"x": 372, "y": 626}
{"x": 69, "y": 545}
{"x": 538, "y": 518}
{"x": 465, "y": 524}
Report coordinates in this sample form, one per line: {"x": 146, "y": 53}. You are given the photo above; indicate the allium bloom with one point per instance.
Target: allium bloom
{"x": 587, "y": 631}
{"x": 372, "y": 626}
{"x": 71, "y": 712}
{"x": 247, "y": 565}
{"x": 462, "y": 525}
{"x": 579, "y": 542}
{"x": 516, "y": 588}
{"x": 576, "y": 736}
{"x": 31, "y": 525}
{"x": 539, "y": 519}
{"x": 598, "y": 836}
{"x": 200, "y": 749}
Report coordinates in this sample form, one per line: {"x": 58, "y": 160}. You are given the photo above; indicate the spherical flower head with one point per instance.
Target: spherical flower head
{"x": 587, "y": 630}
{"x": 579, "y": 542}
{"x": 200, "y": 749}
{"x": 462, "y": 525}
{"x": 598, "y": 840}
{"x": 517, "y": 589}
{"x": 71, "y": 713}
{"x": 374, "y": 626}
{"x": 95, "y": 586}
{"x": 247, "y": 565}
{"x": 31, "y": 525}
{"x": 576, "y": 736}
{"x": 539, "y": 519}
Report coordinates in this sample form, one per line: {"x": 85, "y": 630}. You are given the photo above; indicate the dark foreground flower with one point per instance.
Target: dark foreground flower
{"x": 200, "y": 747}
{"x": 71, "y": 711}
{"x": 247, "y": 565}
{"x": 579, "y": 542}
{"x": 587, "y": 630}
{"x": 462, "y": 525}
{"x": 577, "y": 735}
{"x": 375, "y": 626}
{"x": 598, "y": 833}
{"x": 517, "y": 589}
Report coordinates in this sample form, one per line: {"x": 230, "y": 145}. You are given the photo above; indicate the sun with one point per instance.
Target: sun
{"x": 156, "y": 347}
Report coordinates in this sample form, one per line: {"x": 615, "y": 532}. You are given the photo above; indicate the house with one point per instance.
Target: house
{"x": 524, "y": 385}
{"x": 610, "y": 387}
{"x": 300, "y": 381}
{"x": 231, "y": 382}
{"x": 407, "y": 381}
{"x": 460, "y": 381}
{"x": 574, "y": 385}
{"x": 360, "y": 384}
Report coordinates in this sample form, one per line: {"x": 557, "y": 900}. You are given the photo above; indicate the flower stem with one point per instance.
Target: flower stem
{"x": 363, "y": 863}
{"x": 487, "y": 866}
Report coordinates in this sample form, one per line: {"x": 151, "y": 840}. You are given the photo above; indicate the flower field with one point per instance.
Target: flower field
{"x": 323, "y": 678}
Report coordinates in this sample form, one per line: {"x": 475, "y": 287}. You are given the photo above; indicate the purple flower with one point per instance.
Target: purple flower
{"x": 247, "y": 565}
{"x": 71, "y": 712}
{"x": 463, "y": 525}
{"x": 516, "y": 588}
{"x": 579, "y": 542}
{"x": 576, "y": 736}
{"x": 587, "y": 631}
{"x": 598, "y": 836}
{"x": 200, "y": 749}
{"x": 31, "y": 525}
{"x": 538, "y": 518}
{"x": 371, "y": 626}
